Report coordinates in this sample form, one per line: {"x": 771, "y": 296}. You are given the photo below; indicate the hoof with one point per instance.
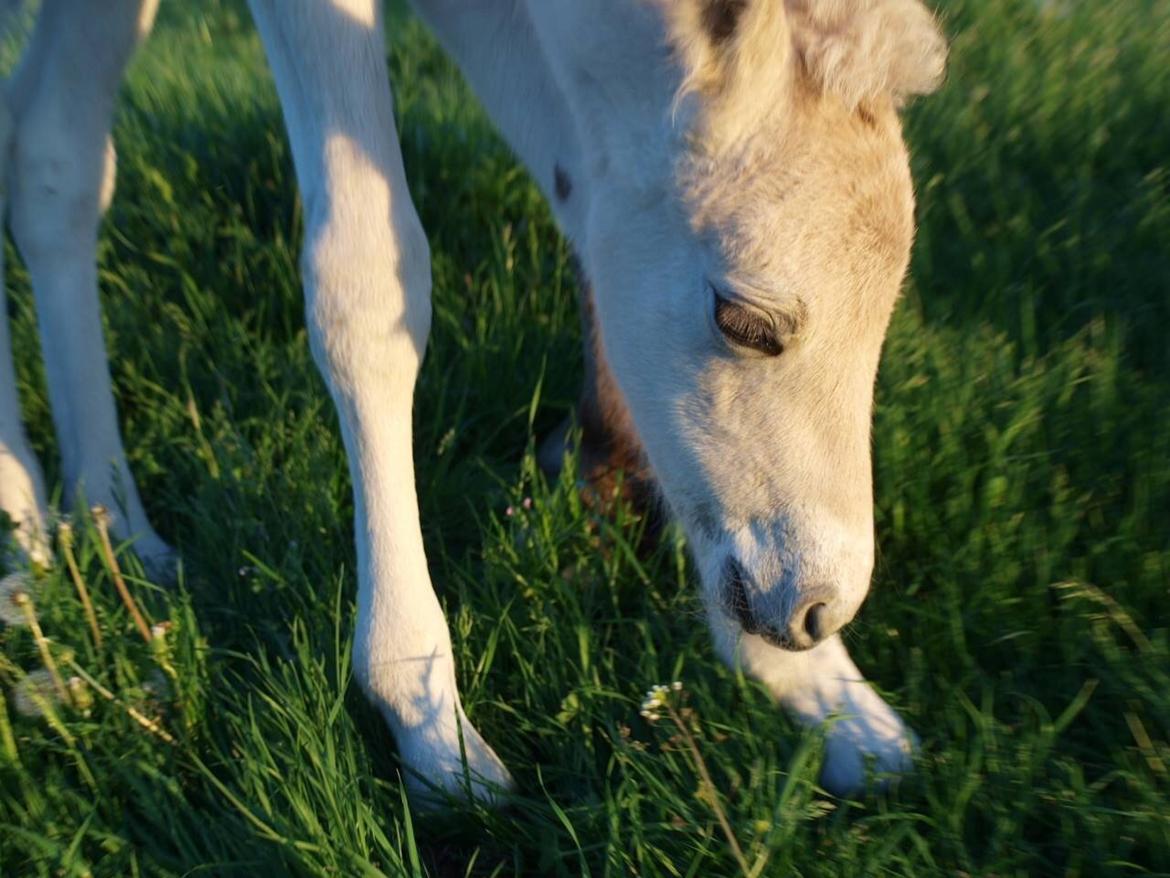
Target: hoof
{"x": 437, "y": 775}
{"x": 160, "y": 561}
{"x": 868, "y": 742}
{"x": 23, "y": 512}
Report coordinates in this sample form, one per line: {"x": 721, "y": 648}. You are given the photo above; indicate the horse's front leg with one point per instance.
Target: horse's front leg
{"x": 823, "y": 684}
{"x": 62, "y": 179}
{"x": 367, "y": 283}
{"x": 22, "y": 490}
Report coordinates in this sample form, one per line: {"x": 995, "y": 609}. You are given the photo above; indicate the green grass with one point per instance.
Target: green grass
{"x": 1019, "y": 612}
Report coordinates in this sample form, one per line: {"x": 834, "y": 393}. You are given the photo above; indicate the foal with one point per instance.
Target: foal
{"x": 733, "y": 177}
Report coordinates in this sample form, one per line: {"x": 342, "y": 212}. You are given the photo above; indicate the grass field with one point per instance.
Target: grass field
{"x": 1019, "y": 615}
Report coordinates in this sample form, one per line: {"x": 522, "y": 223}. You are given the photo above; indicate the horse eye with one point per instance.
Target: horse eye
{"x": 747, "y": 327}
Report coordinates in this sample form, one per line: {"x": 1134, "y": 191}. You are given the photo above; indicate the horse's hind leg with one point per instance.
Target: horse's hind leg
{"x": 22, "y": 493}
{"x": 61, "y": 178}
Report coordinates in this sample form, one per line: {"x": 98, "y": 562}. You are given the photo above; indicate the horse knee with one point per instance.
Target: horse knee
{"x": 367, "y": 291}
{"x": 62, "y": 181}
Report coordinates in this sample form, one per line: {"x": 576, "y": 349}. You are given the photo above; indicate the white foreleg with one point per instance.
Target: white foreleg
{"x": 823, "y": 684}
{"x": 366, "y": 269}
{"x": 62, "y": 179}
{"x": 22, "y": 492}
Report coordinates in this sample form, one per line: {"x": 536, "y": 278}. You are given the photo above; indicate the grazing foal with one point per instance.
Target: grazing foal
{"x": 733, "y": 177}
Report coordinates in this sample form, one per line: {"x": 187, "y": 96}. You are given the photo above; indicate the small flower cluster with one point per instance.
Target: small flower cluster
{"x": 656, "y": 699}
{"x": 33, "y": 691}
{"x": 41, "y": 691}
{"x": 662, "y": 702}
{"x": 526, "y": 504}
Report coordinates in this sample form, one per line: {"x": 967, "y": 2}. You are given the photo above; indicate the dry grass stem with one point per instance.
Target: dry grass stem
{"x": 662, "y": 697}
{"x": 7, "y": 738}
{"x": 25, "y": 602}
{"x": 709, "y": 790}
{"x": 134, "y": 713}
{"x": 102, "y": 518}
{"x": 65, "y": 538}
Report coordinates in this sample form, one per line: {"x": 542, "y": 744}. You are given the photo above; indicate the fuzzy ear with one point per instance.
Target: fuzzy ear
{"x": 736, "y": 54}
{"x": 860, "y": 49}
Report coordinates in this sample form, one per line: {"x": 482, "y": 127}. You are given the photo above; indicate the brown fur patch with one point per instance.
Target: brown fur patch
{"x": 611, "y": 461}
{"x": 562, "y": 183}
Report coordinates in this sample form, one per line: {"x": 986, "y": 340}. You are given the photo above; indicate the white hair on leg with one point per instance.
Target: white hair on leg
{"x": 367, "y": 294}
{"x": 22, "y": 492}
{"x": 62, "y": 179}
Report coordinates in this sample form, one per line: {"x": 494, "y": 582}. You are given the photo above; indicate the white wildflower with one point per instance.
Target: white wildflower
{"x": 12, "y": 588}
{"x": 31, "y": 693}
{"x": 656, "y": 699}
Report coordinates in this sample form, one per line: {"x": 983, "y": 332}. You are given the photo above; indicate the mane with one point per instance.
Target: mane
{"x": 860, "y": 50}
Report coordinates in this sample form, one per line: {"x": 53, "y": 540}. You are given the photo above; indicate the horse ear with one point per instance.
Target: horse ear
{"x": 733, "y": 53}
{"x": 859, "y": 50}
{"x": 713, "y": 38}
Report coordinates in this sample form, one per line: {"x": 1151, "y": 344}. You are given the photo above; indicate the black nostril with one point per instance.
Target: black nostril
{"x": 815, "y": 622}
{"x": 736, "y": 596}
{"x": 806, "y": 625}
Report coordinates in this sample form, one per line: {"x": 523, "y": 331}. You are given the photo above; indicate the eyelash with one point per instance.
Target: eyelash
{"x": 744, "y": 327}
